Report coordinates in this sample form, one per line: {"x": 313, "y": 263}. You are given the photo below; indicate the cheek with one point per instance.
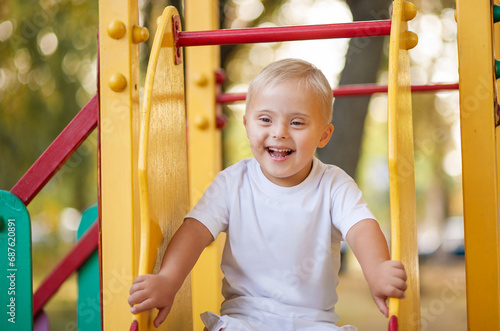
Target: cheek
{"x": 254, "y": 138}
{"x": 254, "y": 132}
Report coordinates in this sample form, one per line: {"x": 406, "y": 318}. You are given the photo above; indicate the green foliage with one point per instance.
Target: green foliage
{"x": 48, "y": 52}
{"x": 47, "y": 73}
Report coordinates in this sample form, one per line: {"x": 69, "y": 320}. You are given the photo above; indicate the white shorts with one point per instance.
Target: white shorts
{"x": 263, "y": 321}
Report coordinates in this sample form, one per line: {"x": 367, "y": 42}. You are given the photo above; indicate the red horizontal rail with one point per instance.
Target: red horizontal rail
{"x": 285, "y": 33}
{"x": 350, "y": 90}
{"x": 58, "y": 152}
{"x": 70, "y": 263}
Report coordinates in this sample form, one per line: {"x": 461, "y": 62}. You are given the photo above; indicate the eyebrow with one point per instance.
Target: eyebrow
{"x": 266, "y": 111}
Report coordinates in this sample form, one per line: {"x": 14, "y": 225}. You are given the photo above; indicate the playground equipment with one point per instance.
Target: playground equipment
{"x": 131, "y": 164}
{"x": 404, "y": 314}
{"x": 477, "y": 45}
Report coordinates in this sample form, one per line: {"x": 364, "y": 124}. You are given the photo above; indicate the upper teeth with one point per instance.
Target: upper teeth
{"x": 279, "y": 150}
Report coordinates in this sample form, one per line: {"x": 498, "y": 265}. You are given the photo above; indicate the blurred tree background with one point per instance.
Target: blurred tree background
{"x": 48, "y": 52}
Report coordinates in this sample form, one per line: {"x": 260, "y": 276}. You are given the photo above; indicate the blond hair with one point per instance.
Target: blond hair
{"x": 309, "y": 79}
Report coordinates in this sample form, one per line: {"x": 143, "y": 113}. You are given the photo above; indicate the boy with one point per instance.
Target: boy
{"x": 285, "y": 214}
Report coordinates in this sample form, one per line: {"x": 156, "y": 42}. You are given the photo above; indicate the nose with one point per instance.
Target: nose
{"x": 280, "y": 131}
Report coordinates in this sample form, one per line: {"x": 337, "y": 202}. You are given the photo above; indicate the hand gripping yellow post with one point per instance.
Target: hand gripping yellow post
{"x": 404, "y": 314}
{"x": 162, "y": 170}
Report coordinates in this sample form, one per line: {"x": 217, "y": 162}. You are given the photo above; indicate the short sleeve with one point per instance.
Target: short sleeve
{"x": 348, "y": 207}
{"x": 212, "y": 209}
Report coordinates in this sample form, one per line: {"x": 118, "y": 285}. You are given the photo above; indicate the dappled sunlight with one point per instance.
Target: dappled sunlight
{"x": 47, "y": 42}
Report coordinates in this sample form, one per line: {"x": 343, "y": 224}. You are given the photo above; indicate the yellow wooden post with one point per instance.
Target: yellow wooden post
{"x": 401, "y": 166}
{"x": 479, "y": 163}
{"x": 118, "y": 128}
{"x": 204, "y": 146}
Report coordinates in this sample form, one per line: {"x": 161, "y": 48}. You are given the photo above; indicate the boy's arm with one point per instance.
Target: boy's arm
{"x": 386, "y": 278}
{"x": 158, "y": 291}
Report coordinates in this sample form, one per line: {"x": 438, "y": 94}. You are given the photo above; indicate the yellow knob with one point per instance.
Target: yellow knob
{"x": 201, "y": 79}
{"x": 201, "y": 122}
{"x": 411, "y": 39}
{"x": 410, "y": 11}
{"x": 117, "y": 82}
{"x": 116, "y": 29}
{"x": 139, "y": 34}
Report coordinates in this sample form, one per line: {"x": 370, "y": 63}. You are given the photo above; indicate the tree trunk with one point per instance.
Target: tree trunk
{"x": 362, "y": 64}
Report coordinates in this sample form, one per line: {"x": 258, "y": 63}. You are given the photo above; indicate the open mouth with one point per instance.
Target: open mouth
{"x": 279, "y": 152}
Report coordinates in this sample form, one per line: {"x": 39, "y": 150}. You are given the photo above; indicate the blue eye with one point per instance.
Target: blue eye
{"x": 297, "y": 123}
{"x": 265, "y": 119}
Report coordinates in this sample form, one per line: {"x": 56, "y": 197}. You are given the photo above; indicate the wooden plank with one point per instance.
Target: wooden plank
{"x": 479, "y": 163}
{"x": 118, "y": 139}
{"x": 205, "y": 147}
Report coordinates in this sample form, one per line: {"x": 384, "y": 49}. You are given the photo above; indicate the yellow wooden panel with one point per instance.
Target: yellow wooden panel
{"x": 204, "y": 152}
{"x": 496, "y": 48}
{"x": 118, "y": 130}
{"x": 479, "y": 163}
{"x": 401, "y": 171}
{"x": 163, "y": 174}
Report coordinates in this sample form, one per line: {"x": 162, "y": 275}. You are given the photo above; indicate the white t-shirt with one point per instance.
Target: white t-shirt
{"x": 282, "y": 251}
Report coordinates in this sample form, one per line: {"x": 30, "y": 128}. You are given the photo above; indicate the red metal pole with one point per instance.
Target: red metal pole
{"x": 58, "y": 152}
{"x": 70, "y": 263}
{"x": 434, "y": 87}
{"x": 286, "y": 33}
{"x": 350, "y": 90}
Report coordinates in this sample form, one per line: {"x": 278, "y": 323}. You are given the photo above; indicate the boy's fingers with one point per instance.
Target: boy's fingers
{"x": 162, "y": 314}
{"x": 134, "y": 288}
{"x": 382, "y": 306}
{"x": 138, "y": 283}
{"x": 397, "y": 269}
{"x": 397, "y": 293}
{"x": 139, "y": 279}
{"x": 144, "y": 305}
{"x": 399, "y": 284}
{"x": 402, "y": 275}
{"x": 137, "y": 297}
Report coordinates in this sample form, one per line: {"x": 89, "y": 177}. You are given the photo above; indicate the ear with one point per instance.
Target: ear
{"x": 245, "y": 124}
{"x": 326, "y": 135}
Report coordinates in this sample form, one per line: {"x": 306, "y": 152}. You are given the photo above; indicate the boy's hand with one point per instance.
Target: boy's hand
{"x": 158, "y": 291}
{"x": 151, "y": 291}
{"x": 387, "y": 279}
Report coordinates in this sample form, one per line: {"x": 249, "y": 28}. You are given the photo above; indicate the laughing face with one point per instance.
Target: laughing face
{"x": 285, "y": 126}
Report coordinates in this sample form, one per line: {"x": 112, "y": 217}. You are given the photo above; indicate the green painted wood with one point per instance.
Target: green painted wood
{"x": 89, "y": 298}
{"x": 16, "y": 285}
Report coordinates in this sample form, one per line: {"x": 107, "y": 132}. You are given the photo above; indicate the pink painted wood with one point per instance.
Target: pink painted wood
{"x": 41, "y": 322}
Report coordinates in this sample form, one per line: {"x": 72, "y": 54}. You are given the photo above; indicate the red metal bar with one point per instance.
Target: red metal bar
{"x": 434, "y": 87}
{"x": 70, "y": 263}
{"x": 58, "y": 152}
{"x": 393, "y": 323}
{"x": 285, "y": 33}
{"x": 350, "y": 90}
